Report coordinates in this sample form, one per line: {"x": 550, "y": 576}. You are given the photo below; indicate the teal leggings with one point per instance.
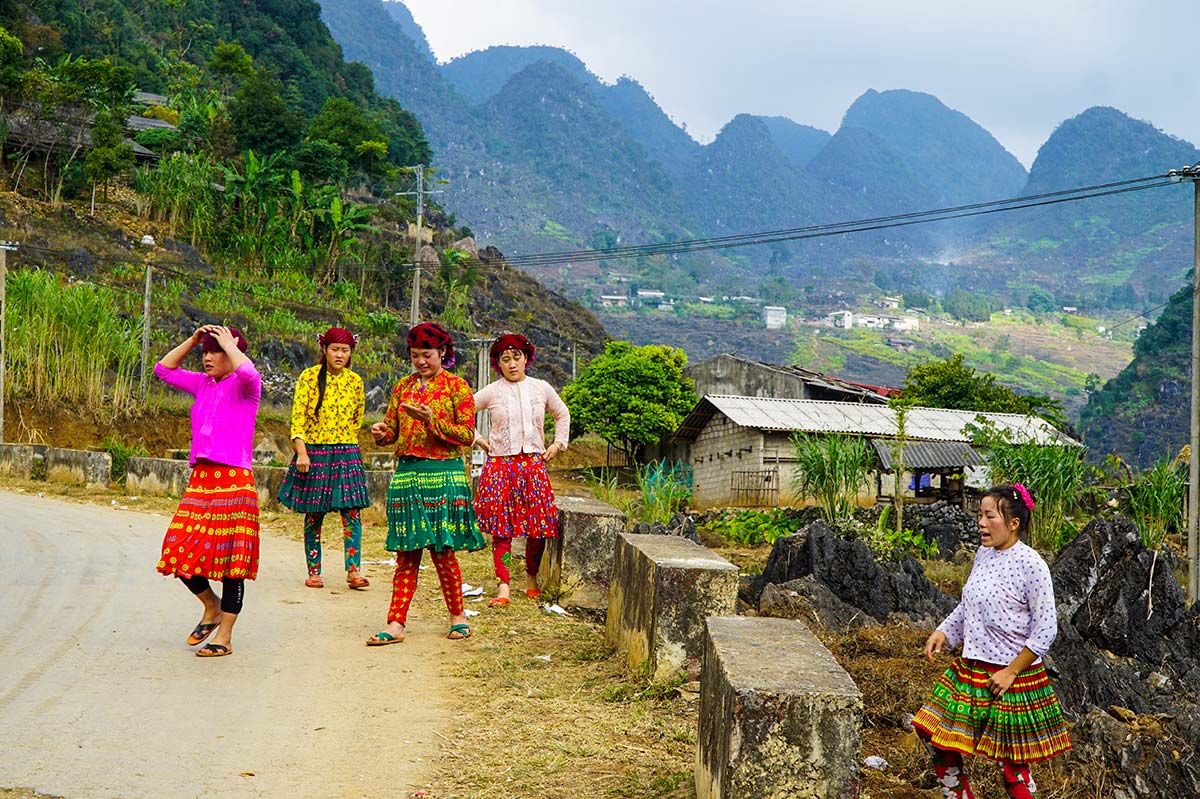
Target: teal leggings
{"x": 351, "y": 536}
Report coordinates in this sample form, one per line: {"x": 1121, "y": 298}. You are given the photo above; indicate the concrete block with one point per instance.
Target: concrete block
{"x": 23, "y": 460}
{"x": 78, "y": 466}
{"x": 381, "y": 461}
{"x": 578, "y": 564}
{"x": 267, "y": 480}
{"x": 779, "y": 718}
{"x": 156, "y": 477}
{"x": 663, "y": 588}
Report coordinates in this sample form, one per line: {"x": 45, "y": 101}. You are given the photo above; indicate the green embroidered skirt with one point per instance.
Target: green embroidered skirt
{"x": 429, "y": 507}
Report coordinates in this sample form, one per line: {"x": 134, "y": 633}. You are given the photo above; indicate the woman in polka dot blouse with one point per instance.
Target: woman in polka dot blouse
{"x": 996, "y": 700}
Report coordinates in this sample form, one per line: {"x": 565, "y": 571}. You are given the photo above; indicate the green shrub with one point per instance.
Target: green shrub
{"x": 121, "y": 453}
{"x": 831, "y": 470}
{"x": 751, "y": 528}
{"x": 1155, "y": 500}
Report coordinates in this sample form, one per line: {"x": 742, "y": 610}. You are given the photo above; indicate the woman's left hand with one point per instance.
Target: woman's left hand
{"x": 1000, "y": 682}
{"x": 422, "y": 413}
{"x": 551, "y": 451}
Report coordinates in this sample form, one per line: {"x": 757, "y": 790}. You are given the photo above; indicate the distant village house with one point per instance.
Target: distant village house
{"x": 774, "y": 317}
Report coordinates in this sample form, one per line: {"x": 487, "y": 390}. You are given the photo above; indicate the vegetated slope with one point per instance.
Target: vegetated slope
{"x": 282, "y": 319}
{"x": 1139, "y": 238}
{"x": 952, "y": 156}
{"x": 1142, "y": 414}
{"x": 800, "y": 143}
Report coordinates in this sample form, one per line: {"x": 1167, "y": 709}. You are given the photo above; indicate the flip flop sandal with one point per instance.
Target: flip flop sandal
{"x": 314, "y": 581}
{"x": 213, "y": 651}
{"x": 498, "y": 602}
{"x": 533, "y": 593}
{"x": 201, "y": 633}
{"x": 384, "y": 638}
{"x": 463, "y": 630}
{"x": 356, "y": 582}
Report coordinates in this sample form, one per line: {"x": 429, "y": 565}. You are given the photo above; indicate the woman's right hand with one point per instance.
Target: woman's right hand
{"x": 934, "y": 644}
{"x": 303, "y": 462}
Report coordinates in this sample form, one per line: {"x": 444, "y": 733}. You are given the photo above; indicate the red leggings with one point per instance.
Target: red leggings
{"x": 952, "y": 779}
{"x": 404, "y": 583}
{"x": 502, "y": 556}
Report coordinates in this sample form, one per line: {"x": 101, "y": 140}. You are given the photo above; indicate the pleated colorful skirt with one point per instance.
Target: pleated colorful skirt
{"x": 336, "y": 480}
{"x": 1025, "y": 725}
{"x": 214, "y": 532}
{"x": 514, "y": 498}
{"x": 429, "y": 507}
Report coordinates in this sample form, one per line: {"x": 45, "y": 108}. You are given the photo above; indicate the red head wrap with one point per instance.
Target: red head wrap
{"x": 432, "y": 336}
{"x": 208, "y": 342}
{"x": 511, "y": 341}
{"x": 337, "y": 335}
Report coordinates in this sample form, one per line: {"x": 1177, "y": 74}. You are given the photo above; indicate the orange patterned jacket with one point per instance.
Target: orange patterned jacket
{"x": 453, "y": 423}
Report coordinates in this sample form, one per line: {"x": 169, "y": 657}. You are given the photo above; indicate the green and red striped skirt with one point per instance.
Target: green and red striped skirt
{"x": 429, "y": 507}
{"x": 1025, "y": 725}
{"x": 214, "y": 533}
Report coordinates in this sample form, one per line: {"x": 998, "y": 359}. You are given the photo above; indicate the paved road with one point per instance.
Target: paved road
{"x": 100, "y": 697}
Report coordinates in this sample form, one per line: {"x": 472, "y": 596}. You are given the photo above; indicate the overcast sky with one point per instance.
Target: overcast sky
{"x": 1018, "y": 68}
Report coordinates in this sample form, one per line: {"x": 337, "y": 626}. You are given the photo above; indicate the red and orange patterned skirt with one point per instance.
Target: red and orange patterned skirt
{"x": 214, "y": 533}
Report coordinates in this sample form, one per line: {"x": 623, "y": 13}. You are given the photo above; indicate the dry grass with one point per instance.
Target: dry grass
{"x": 552, "y": 713}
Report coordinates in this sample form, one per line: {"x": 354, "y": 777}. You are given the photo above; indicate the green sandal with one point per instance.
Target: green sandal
{"x": 384, "y": 638}
{"x": 463, "y": 630}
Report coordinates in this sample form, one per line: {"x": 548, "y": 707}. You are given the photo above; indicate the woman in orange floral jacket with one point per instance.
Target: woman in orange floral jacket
{"x": 431, "y": 419}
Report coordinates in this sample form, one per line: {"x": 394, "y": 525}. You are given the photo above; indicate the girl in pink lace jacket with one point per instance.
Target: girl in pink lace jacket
{"x": 514, "y": 498}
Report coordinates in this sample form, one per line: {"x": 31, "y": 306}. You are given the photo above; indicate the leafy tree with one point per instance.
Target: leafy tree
{"x": 229, "y": 62}
{"x": 953, "y": 384}
{"x": 632, "y": 396}
{"x": 262, "y": 119}
{"x": 109, "y": 154}
{"x": 1040, "y": 301}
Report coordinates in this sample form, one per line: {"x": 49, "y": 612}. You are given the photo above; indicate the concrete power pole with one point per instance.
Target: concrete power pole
{"x": 5, "y": 246}
{"x": 146, "y": 334}
{"x": 414, "y": 314}
{"x": 1193, "y": 537}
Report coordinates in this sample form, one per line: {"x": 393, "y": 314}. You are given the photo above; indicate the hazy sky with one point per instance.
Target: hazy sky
{"x": 1018, "y": 68}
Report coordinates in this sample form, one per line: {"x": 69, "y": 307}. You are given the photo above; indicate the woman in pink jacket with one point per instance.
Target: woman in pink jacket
{"x": 514, "y": 498}
{"x": 214, "y": 533}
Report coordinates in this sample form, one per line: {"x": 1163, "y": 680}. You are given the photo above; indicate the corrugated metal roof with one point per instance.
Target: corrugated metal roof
{"x": 875, "y": 421}
{"x": 928, "y": 454}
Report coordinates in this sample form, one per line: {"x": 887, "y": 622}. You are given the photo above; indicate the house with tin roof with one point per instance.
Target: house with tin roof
{"x": 741, "y": 451}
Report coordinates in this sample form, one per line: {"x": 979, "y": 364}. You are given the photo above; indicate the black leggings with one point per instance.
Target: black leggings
{"x": 232, "y": 593}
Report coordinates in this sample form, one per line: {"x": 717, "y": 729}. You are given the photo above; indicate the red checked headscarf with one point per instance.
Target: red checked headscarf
{"x": 511, "y": 341}
{"x": 208, "y": 342}
{"x": 432, "y": 336}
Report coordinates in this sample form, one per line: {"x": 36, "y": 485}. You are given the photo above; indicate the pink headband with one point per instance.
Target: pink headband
{"x": 1026, "y": 497}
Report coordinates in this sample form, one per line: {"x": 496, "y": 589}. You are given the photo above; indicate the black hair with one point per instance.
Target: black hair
{"x": 1011, "y": 505}
{"x": 322, "y": 376}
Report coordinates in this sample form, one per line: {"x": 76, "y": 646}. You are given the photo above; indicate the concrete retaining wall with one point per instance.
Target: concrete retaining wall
{"x": 578, "y": 564}
{"x": 23, "y": 461}
{"x": 167, "y": 477}
{"x": 39, "y": 462}
{"x": 779, "y": 718}
{"x": 663, "y": 588}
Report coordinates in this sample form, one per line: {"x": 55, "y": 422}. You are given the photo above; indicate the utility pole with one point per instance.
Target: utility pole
{"x": 574, "y": 361}
{"x": 414, "y": 314}
{"x": 1192, "y": 173}
{"x": 5, "y": 246}
{"x": 146, "y": 334}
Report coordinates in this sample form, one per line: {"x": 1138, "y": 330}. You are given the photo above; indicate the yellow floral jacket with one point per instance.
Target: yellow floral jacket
{"x": 341, "y": 410}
